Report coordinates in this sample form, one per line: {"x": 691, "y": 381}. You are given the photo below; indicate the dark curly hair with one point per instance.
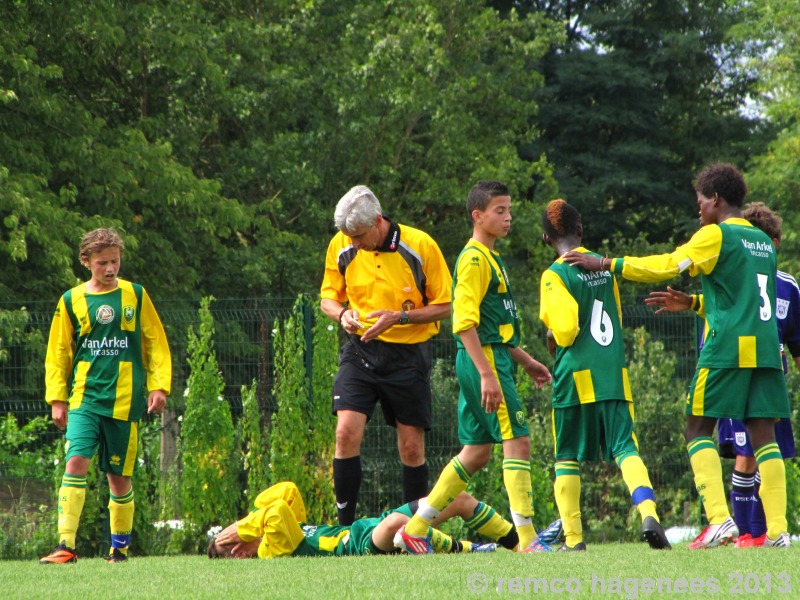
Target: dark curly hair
{"x": 722, "y": 179}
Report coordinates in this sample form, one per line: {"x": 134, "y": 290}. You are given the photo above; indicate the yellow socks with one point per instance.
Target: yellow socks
{"x": 517, "y": 479}
{"x": 634, "y": 473}
{"x": 71, "y": 497}
{"x": 707, "y": 469}
{"x": 567, "y": 489}
{"x": 487, "y": 522}
{"x": 451, "y": 483}
{"x": 773, "y": 488}
{"x": 120, "y": 509}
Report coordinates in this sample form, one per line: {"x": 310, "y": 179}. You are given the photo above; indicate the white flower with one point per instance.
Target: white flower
{"x": 186, "y": 393}
{"x": 330, "y": 327}
{"x": 180, "y": 418}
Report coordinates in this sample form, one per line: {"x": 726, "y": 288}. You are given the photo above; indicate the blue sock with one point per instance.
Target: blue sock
{"x": 758, "y": 522}
{"x": 742, "y": 500}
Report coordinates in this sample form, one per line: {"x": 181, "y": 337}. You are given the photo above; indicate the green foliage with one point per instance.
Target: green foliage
{"x": 255, "y": 442}
{"x": 26, "y": 521}
{"x": 209, "y": 482}
{"x": 660, "y": 402}
{"x": 627, "y": 102}
{"x": 302, "y": 437}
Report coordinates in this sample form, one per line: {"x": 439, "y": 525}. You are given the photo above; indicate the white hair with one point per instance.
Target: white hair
{"x": 357, "y": 208}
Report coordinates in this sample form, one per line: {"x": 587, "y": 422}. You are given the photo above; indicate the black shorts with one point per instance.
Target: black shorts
{"x": 396, "y": 375}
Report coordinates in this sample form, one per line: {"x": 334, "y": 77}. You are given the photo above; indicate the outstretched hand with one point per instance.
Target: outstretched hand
{"x": 669, "y": 301}
{"x": 586, "y": 261}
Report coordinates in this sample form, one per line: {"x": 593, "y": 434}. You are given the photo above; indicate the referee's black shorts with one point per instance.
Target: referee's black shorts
{"x": 396, "y": 375}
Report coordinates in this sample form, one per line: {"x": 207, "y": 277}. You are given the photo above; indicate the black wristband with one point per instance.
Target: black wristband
{"x": 340, "y": 315}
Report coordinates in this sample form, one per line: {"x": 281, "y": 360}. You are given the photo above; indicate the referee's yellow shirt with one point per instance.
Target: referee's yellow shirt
{"x": 406, "y": 273}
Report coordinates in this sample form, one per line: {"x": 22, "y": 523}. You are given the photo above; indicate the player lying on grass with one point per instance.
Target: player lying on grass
{"x": 277, "y": 527}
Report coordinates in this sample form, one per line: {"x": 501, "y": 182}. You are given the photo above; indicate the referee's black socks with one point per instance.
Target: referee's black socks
{"x": 415, "y": 482}
{"x": 347, "y": 483}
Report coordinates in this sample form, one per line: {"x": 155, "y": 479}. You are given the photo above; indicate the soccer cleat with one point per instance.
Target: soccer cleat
{"x": 413, "y": 544}
{"x": 116, "y": 556}
{"x": 61, "y": 554}
{"x": 716, "y": 535}
{"x": 653, "y": 533}
{"x": 537, "y": 546}
{"x": 483, "y": 547}
{"x": 579, "y": 547}
{"x": 552, "y": 533}
{"x": 744, "y": 541}
{"x": 783, "y": 541}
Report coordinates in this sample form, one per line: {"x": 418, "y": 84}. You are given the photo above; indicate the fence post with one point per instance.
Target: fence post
{"x": 308, "y": 337}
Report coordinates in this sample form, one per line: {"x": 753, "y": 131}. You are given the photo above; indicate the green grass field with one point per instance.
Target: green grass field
{"x": 604, "y": 571}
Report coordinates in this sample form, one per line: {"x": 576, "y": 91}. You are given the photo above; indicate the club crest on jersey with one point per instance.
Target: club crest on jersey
{"x": 128, "y": 313}
{"x": 105, "y": 314}
{"x": 408, "y": 305}
{"x": 520, "y": 417}
{"x": 741, "y": 438}
{"x": 782, "y": 308}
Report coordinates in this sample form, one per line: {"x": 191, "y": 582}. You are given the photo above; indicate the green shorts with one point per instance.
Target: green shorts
{"x": 360, "y": 542}
{"x": 583, "y": 431}
{"x": 738, "y": 394}
{"x": 475, "y": 425}
{"x": 118, "y": 441}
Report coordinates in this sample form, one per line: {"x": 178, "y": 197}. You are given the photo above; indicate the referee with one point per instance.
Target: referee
{"x": 388, "y": 286}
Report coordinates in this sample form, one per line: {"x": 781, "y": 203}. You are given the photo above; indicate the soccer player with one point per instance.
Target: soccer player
{"x": 748, "y": 511}
{"x": 739, "y": 373}
{"x": 388, "y": 286}
{"x": 278, "y": 527}
{"x": 486, "y": 326}
{"x": 106, "y": 346}
{"x": 592, "y": 402}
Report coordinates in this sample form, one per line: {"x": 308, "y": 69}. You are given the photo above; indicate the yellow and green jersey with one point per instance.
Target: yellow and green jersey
{"x": 583, "y": 311}
{"x": 482, "y": 297}
{"x": 737, "y": 265}
{"x": 277, "y": 520}
{"x": 106, "y": 350}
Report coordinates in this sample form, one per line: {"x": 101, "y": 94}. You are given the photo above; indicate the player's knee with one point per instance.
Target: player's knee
{"x": 411, "y": 454}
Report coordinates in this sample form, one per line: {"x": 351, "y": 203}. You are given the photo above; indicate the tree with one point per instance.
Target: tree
{"x": 639, "y": 98}
{"x": 774, "y": 176}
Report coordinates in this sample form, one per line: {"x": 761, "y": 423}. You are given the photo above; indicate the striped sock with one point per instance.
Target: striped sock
{"x": 71, "y": 497}
{"x": 707, "y": 468}
{"x": 451, "y": 483}
{"x": 773, "y": 488}
{"x": 120, "y": 510}
{"x": 567, "y": 490}
{"x": 517, "y": 479}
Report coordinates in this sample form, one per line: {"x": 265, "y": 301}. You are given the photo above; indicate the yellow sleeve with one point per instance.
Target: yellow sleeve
{"x": 473, "y": 275}
{"x": 60, "y": 354}
{"x": 558, "y": 310}
{"x": 334, "y": 286}
{"x": 699, "y": 255}
{"x": 439, "y": 282}
{"x": 289, "y": 493}
{"x": 155, "y": 349}
{"x": 275, "y": 524}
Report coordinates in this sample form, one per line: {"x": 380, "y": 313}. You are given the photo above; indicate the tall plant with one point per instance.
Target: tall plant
{"x": 210, "y": 474}
{"x": 302, "y": 437}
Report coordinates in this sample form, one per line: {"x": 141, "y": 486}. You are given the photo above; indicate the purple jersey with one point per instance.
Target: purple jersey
{"x": 787, "y": 310}
{"x": 732, "y": 434}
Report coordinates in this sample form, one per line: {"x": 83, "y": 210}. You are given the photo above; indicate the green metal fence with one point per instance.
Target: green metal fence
{"x": 244, "y": 353}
